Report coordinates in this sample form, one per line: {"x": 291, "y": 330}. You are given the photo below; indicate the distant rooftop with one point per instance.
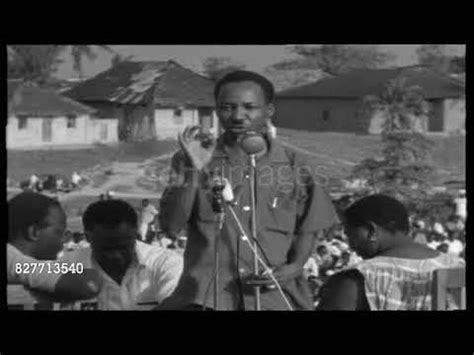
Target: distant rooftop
{"x": 361, "y": 82}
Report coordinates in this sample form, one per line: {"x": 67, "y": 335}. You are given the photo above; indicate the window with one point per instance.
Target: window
{"x": 325, "y": 115}
{"x": 22, "y": 122}
{"x": 178, "y": 116}
{"x": 71, "y": 121}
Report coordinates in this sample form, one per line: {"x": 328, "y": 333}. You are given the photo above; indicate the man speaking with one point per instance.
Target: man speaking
{"x": 289, "y": 207}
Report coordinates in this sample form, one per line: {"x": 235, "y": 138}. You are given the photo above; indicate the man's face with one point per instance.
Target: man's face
{"x": 241, "y": 107}
{"x": 50, "y": 235}
{"x": 359, "y": 241}
{"x": 113, "y": 248}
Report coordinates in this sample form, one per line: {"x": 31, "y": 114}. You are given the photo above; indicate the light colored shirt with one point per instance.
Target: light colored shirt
{"x": 311, "y": 268}
{"x": 151, "y": 278}
{"x": 433, "y": 245}
{"x": 75, "y": 178}
{"x": 461, "y": 207}
{"x": 148, "y": 214}
{"x": 42, "y": 281}
{"x": 455, "y": 247}
{"x": 33, "y": 179}
{"x": 84, "y": 244}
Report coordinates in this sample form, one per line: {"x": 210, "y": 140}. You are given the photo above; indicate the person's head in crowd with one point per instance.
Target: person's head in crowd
{"x": 345, "y": 257}
{"x": 322, "y": 250}
{"x": 451, "y": 223}
{"x": 78, "y": 237}
{"x": 111, "y": 229}
{"x": 67, "y": 236}
{"x": 182, "y": 242}
{"x": 145, "y": 202}
{"x": 376, "y": 223}
{"x": 443, "y": 248}
{"x": 244, "y": 102}
{"x": 418, "y": 225}
{"x": 36, "y": 225}
{"x": 440, "y": 238}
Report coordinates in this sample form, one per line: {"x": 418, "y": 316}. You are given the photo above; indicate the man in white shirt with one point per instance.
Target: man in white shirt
{"x": 75, "y": 179}
{"x": 34, "y": 182}
{"x": 147, "y": 215}
{"x": 134, "y": 275}
{"x": 37, "y": 224}
{"x": 455, "y": 246}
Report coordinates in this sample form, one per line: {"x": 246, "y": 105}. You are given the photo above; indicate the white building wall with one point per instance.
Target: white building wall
{"x": 454, "y": 115}
{"x": 87, "y": 131}
{"x": 168, "y": 126}
{"x": 32, "y": 135}
{"x": 97, "y": 127}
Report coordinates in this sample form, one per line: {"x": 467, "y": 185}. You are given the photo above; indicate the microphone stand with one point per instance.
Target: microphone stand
{"x": 254, "y": 227}
{"x": 218, "y": 207}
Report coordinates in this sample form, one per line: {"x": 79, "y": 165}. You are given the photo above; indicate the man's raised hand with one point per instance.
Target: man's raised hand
{"x": 190, "y": 141}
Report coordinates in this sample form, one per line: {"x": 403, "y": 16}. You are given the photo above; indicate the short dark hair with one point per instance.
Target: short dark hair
{"x": 27, "y": 209}
{"x": 239, "y": 76}
{"x": 321, "y": 247}
{"x": 384, "y": 211}
{"x": 109, "y": 214}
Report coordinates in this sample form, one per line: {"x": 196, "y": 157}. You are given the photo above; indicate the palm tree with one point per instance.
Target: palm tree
{"x": 80, "y": 51}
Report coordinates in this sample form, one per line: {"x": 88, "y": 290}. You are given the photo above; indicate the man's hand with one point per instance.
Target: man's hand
{"x": 282, "y": 274}
{"x": 191, "y": 144}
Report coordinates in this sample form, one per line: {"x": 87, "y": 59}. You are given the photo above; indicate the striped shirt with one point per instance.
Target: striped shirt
{"x": 402, "y": 284}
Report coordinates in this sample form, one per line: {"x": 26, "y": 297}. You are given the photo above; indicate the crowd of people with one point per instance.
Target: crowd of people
{"x": 54, "y": 183}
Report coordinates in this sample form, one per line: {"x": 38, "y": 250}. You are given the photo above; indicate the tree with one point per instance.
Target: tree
{"x": 334, "y": 59}
{"x": 217, "y": 67}
{"x": 432, "y": 56}
{"x": 33, "y": 63}
{"x": 119, "y": 58}
{"x": 404, "y": 170}
{"x": 78, "y": 52}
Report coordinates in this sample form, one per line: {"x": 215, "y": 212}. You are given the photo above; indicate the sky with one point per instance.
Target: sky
{"x": 255, "y": 57}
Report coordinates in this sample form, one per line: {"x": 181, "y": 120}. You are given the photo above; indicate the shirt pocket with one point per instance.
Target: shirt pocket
{"x": 281, "y": 211}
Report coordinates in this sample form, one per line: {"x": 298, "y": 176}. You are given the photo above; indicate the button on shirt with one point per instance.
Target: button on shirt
{"x": 151, "y": 278}
{"x": 288, "y": 202}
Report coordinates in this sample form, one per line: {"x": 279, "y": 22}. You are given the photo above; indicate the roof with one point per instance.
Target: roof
{"x": 359, "y": 83}
{"x": 24, "y": 99}
{"x": 168, "y": 83}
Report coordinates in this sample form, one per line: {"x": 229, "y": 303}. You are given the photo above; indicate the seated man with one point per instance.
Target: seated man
{"x": 135, "y": 275}
{"x": 37, "y": 226}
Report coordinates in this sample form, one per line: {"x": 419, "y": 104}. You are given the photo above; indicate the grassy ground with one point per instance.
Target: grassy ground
{"x": 22, "y": 164}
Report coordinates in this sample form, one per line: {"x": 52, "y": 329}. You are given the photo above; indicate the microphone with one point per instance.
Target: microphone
{"x": 252, "y": 143}
{"x": 221, "y": 193}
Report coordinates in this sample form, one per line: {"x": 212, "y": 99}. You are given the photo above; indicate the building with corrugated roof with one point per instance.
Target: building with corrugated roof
{"x": 150, "y": 99}
{"x": 336, "y": 104}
